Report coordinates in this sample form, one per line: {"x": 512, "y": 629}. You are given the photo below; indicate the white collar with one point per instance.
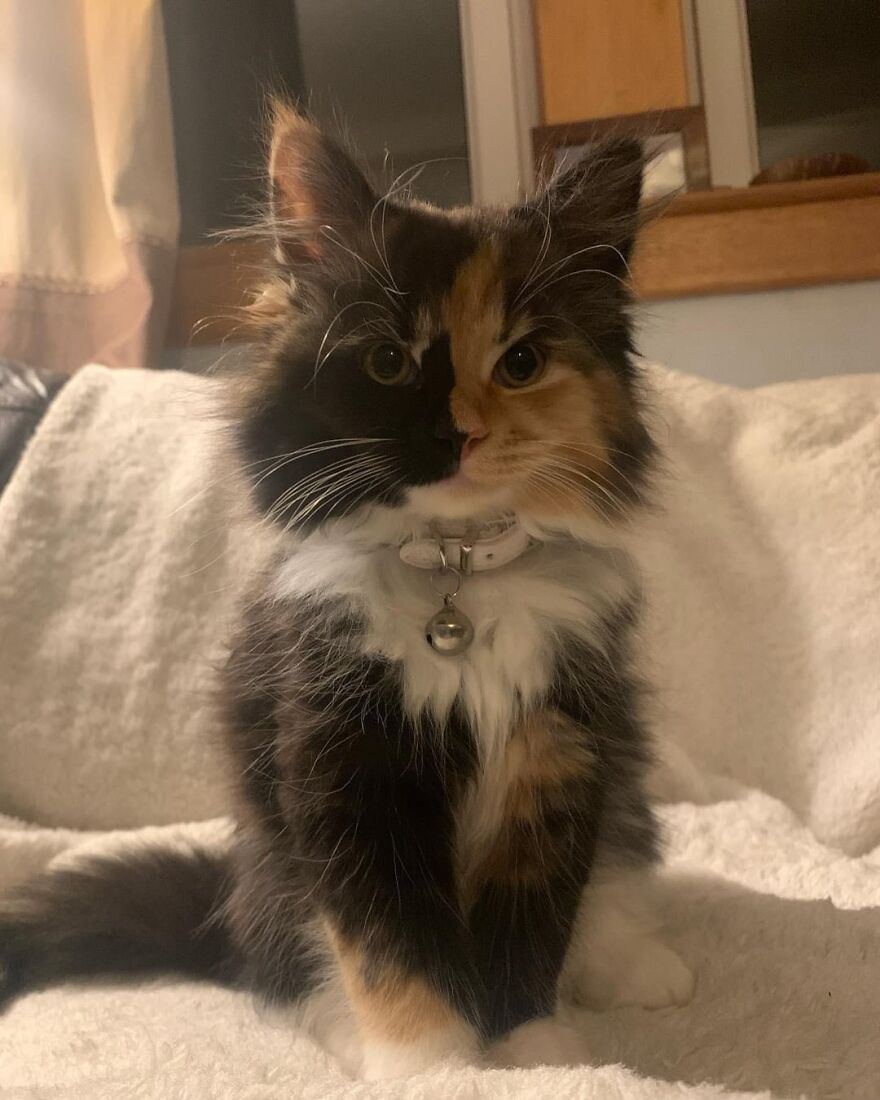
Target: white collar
{"x": 467, "y": 548}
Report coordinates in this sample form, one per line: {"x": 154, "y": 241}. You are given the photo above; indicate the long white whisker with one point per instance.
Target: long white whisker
{"x": 318, "y": 360}
{"x": 336, "y": 492}
{"x": 335, "y": 474}
{"x": 276, "y": 461}
{"x": 541, "y": 254}
{"x": 329, "y": 232}
{"x": 569, "y": 275}
{"x": 313, "y": 449}
{"x": 567, "y": 259}
{"x": 572, "y": 478}
{"x": 382, "y": 252}
{"x": 556, "y": 484}
{"x": 376, "y": 325}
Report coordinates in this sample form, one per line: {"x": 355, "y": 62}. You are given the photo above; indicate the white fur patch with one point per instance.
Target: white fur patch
{"x": 516, "y": 611}
{"x": 327, "y": 1015}
{"x": 562, "y": 584}
{"x": 452, "y": 1047}
{"x": 544, "y": 1042}
{"x": 615, "y": 957}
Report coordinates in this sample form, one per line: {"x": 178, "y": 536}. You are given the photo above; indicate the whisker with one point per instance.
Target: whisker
{"x": 318, "y": 360}
{"x": 336, "y": 493}
{"x": 570, "y": 275}
{"x": 571, "y": 477}
{"x": 330, "y": 233}
{"x": 555, "y": 486}
{"x": 279, "y": 461}
{"x": 552, "y": 268}
{"x": 335, "y": 474}
{"x": 311, "y": 450}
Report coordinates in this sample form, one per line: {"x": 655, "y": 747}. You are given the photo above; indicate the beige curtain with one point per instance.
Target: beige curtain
{"x": 88, "y": 190}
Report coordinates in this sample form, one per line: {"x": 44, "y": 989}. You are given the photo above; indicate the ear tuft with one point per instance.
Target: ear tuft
{"x": 319, "y": 197}
{"x": 597, "y": 199}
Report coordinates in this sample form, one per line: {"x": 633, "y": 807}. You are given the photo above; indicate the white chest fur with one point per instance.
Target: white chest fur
{"x": 517, "y": 612}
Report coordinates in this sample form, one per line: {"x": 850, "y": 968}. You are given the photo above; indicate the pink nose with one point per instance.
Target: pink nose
{"x": 471, "y": 442}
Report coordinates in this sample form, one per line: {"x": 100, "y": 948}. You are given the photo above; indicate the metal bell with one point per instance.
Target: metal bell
{"x": 450, "y": 631}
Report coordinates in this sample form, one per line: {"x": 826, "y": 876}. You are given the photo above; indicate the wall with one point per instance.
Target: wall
{"x": 392, "y": 73}
{"x": 774, "y": 336}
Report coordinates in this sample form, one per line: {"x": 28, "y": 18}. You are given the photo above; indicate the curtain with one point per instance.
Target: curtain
{"x": 88, "y": 189}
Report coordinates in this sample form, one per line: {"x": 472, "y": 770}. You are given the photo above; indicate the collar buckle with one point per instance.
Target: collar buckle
{"x": 475, "y": 550}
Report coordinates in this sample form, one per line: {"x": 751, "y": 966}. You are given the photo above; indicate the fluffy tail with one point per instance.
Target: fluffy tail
{"x": 151, "y": 911}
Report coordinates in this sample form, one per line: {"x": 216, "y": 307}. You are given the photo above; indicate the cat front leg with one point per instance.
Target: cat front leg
{"x": 375, "y": 837}
{"x": 526, "y": 885}
{"x": 396, "y": 934}
{"x": 617, "y": 956}
{"x": 407, "y": 1025}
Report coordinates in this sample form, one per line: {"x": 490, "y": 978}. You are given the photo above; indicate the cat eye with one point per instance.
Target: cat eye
{"x": 519, "y": 366}
{"x": 389, "y": 364}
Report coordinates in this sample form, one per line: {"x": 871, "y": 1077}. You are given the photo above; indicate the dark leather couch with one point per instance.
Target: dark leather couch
{"x": 25, "y": 394}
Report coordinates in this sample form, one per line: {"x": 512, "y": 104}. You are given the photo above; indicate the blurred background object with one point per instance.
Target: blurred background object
{"x": 88, "y": 191}
{"x": 816, "y": 76}
{"x": 812, "y": 168}
{"x": 385, "y": 75}
{"x": 115, "y": 117}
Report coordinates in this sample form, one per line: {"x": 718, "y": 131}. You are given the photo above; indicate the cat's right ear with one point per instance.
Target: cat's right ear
{"x": 596, "y": 201}
{"x": 319, "y": 199}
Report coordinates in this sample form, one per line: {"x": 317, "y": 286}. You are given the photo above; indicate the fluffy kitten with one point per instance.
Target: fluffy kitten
{"x": 445, "y": 842}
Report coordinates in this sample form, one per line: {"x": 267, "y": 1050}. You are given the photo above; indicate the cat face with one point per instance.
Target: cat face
{"x": 444, "y": 363}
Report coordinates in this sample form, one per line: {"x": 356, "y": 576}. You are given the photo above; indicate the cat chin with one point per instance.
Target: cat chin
{"x": 457, "y": 498}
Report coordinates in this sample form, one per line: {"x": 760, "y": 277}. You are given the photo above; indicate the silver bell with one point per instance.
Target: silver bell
{"x": 450, "y": 631}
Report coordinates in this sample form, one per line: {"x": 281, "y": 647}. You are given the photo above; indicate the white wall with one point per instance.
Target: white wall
{"x": 773, "y": 336}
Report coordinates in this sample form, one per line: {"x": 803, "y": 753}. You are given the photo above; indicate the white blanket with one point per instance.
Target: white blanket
{"x": 118, "y": 568}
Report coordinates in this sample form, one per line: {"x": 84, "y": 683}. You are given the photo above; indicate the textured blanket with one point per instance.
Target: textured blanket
{"x": 121, "y": 556}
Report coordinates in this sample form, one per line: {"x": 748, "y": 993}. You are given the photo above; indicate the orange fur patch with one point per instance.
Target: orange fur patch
{"x": 389, "y": 1005}
{"x": 292, "y": 134}
{"x": 569, "y": 419}
{"x": 544, "y": 755}
{"x": 550, "y": 440}
{"x": 473, "y": 315}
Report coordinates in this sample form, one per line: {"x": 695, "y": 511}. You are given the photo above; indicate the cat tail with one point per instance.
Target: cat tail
{"x": 153, "y": 910}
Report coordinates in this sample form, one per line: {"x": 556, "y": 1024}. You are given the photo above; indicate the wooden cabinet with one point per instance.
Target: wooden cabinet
{"x": 599, "y": 58}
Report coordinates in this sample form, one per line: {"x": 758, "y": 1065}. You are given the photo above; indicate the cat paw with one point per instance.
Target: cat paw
{"x": 653, "y": 976}
{"x": 543, "y": 1042}
{"x": 384, "y": 1061}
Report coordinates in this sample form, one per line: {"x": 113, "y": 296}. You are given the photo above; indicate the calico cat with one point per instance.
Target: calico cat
{"x": 430, "y": 707}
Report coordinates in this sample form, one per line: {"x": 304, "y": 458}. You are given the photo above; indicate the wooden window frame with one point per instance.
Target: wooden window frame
{"x": 689, "y": 122}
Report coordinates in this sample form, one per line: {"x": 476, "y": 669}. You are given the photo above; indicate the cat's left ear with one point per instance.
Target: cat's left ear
{"x": 596, "y": 201}
{"x": 320, "y": 200}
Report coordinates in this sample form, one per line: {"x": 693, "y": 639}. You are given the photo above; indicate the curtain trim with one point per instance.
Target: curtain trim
{"x": 122, "y": 325}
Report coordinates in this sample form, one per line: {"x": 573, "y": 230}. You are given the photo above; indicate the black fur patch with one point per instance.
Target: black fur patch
{"x": 141, "y": 912}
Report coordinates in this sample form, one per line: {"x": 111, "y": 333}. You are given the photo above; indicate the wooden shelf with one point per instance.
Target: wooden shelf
{"x": 762, "y": 238}
{"x": 776, "y": 194}
{"x": 706, "y": 242}
{"x": 211, "y": 285}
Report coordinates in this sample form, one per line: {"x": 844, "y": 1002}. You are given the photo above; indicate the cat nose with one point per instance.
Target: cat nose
{"x": 470, "y": 443}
